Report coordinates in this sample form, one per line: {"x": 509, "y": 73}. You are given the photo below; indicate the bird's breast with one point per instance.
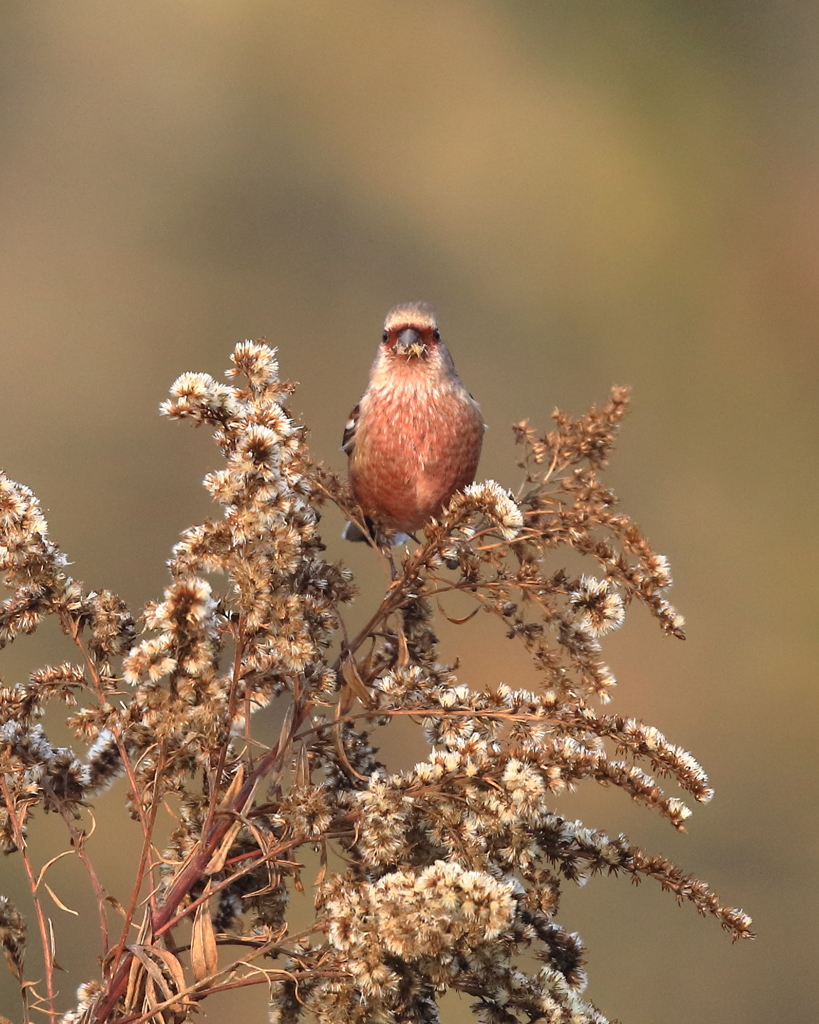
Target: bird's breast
{"x": 415, "y": 446}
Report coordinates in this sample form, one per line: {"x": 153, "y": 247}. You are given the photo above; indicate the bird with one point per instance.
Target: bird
{"x": 415, "y": 437}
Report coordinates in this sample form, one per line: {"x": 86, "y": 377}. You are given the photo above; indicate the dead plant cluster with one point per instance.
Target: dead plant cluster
{"x": 445, "y": 876}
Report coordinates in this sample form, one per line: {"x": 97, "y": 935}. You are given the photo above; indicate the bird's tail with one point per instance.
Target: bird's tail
{"x": 352, "y": 531}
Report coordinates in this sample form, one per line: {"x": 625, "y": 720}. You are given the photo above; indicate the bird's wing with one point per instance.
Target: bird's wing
{"x": 348, "y": 440}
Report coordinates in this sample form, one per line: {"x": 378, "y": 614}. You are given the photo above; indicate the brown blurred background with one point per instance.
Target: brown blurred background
{"x": 588, "y": 193}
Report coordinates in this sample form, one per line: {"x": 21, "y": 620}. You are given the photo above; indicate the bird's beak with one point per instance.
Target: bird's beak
{"x": 409, "y": 343}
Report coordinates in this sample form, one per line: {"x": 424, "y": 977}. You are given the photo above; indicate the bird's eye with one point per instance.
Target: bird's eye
{"x": 385, "y": 335}
{"x": 436, "y": 334}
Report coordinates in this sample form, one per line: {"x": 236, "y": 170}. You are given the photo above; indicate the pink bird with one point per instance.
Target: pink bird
{"x": 415, "y": 437}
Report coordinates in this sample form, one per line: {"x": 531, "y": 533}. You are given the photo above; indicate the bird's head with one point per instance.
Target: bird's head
{"x": 410, "y": 332}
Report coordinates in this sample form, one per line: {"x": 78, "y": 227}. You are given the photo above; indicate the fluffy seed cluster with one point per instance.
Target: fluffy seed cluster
{"x": 421, "y": 915}
{"x": 445, "y": 876}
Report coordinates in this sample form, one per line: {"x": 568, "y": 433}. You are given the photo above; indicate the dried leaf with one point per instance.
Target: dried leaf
{"x": 236, "y": 784}
{"x": 459, "y": 622}
{"x": 287, "y": 728}
{"x": 47, "y": 865}
{"x": 52, "y": 944}
{"x": 403, "y": 649}
{"x": 59, "y": 902}
{"x": 168, "y": 974}
{"x": 217, "y": 861}
{"x": 115, "y": 903}
{"x": 204, "y": 959}
{"x": 338, "y": 742}
{"x": 355, "y": 682}
{"x": 302, "y": 776}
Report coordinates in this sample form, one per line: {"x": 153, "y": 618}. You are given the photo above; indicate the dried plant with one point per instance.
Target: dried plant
{"x": 446, "y": 876}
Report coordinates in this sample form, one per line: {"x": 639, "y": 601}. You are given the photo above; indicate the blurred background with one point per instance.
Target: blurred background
{"x": 588, "y": 193}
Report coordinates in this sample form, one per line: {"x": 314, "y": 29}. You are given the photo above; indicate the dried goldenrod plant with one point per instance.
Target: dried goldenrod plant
{"x": 445, "y": 876}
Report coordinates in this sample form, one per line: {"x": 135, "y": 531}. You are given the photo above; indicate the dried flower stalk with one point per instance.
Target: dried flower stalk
{"x": 436, "y": 878}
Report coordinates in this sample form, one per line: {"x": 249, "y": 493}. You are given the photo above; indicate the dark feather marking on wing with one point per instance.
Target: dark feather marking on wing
{"x": 348, "y": 440}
